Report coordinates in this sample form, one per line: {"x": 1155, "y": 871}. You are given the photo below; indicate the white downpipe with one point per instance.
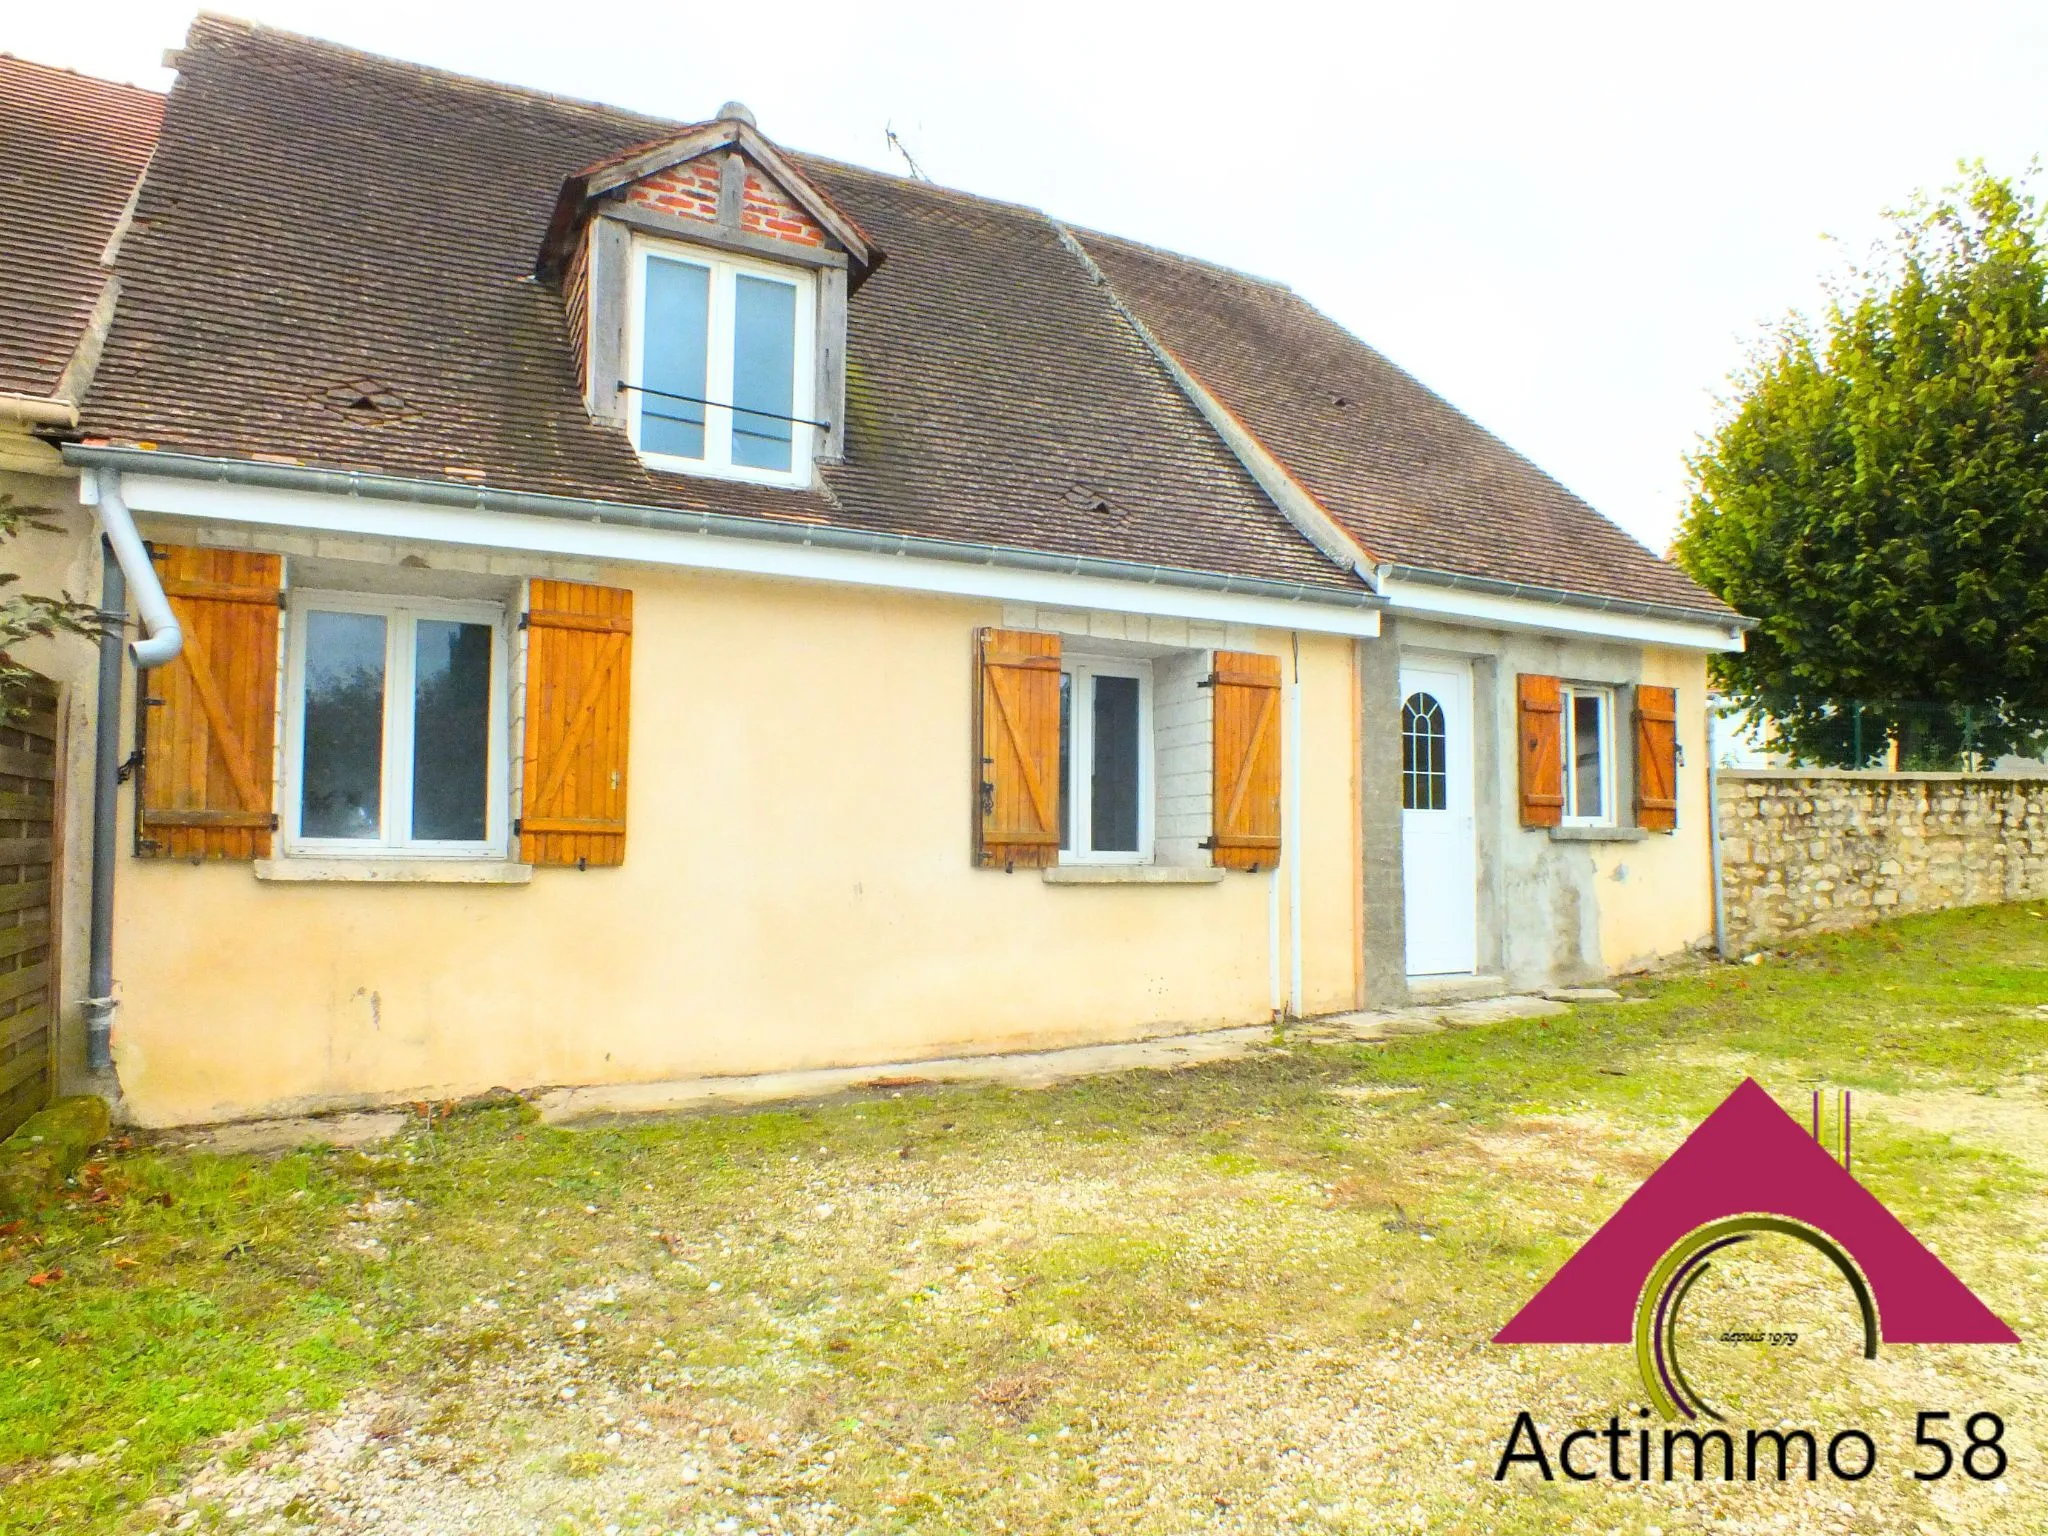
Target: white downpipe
{"x": 164, "y": 638}
{"x": 1713, "y": 770}
{"x": 1295, "y": 840}
{"x": 1273, "y": 936}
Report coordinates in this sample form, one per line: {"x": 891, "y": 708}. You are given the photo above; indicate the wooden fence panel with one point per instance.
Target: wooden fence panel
{"x": 28, "y": 830}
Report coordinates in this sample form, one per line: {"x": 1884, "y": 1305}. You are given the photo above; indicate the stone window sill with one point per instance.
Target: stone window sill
{"x": 1598, "y": 834}
{"x": 1132, "y": 874}
{"x": 396, "y": 871}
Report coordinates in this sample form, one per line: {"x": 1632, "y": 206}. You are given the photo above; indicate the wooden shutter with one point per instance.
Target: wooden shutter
{"x": 579, "y": 664}
{"x": 1539, "y": 720}
{"x": 1656, "y": 758}
{"x": 1017, "y": 749}
{"x": 1245, "y": 758}
{"x": 209, "y": 718}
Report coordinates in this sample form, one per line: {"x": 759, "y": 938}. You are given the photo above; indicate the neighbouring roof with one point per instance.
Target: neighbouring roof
{"x": 322, "y": 226}
{"x": 1410, "y": 477}
{"x": 71, "y": 148}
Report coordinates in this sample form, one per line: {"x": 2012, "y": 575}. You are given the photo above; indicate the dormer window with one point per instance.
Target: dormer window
{"x": 721, "y": 364}
{"x": 705, "y": 282}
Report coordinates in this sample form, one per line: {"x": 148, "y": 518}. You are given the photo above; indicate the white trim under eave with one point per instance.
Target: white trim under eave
{"x": 378, "y": 518}
{"x": 1454, "y": 605}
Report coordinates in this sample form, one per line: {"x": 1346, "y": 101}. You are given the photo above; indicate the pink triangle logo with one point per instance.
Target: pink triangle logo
{"x": 1749, "y": 1169}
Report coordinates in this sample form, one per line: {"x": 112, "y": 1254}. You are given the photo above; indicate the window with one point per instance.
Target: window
{"x": 1425, "y": 777}
{"x": 720, "y": 370}
{"x": 395, "y": 737}
{"x": 1105, "y": 762}
{"x": 1588, "y": 756}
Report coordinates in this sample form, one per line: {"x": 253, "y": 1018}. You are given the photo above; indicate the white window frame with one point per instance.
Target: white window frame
{"x": 400, "y": 615}
{"x": 1081, "y": 756}
{"x": 718, "y": 366}
{"x": 1569, "y": 743}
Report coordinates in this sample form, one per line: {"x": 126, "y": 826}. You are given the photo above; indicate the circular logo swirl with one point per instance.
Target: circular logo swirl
{"x": 1679, "y": 1270}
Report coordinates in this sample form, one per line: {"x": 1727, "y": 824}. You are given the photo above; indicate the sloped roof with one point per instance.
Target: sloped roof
{"x": 322, "y": 225}
{"x": 71, "y": 148}
{"x": 1410, "y": 477}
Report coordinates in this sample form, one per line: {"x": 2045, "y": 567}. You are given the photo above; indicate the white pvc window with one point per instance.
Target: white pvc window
{"x": 1106, "y": 762}
{"x": 1588, "y": 756}
{"x": 720, "y": 370}
{"x": 395, "y": 727}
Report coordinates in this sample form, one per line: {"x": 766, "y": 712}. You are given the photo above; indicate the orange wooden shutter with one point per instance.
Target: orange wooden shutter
{"x": 1539, "y": 719}
{"x": 1656, "y": 758}
{"x": 579, "y": 664}
{"x": 1017, "y": 749}
{"x": 1245, "y": 758}
{"x": 209, "y": 718}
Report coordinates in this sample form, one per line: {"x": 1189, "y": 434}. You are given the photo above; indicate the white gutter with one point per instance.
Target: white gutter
{"x": 277, "y": 496}
{"x": 164, "y": 638}
{"x": 1522, "y": 605}
{"x": 38, "y": 411}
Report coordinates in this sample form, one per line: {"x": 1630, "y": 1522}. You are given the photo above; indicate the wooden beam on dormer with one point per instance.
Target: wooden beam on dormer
{"x": 671, "y": 226}
{"x": 637, "y": 164}
{"x": 732, "y": 190}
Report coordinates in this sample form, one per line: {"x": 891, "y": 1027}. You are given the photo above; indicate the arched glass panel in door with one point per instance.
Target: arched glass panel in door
{"x": 1425, "y": 779}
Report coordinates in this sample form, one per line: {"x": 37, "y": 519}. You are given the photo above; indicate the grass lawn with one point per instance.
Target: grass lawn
{"x": 1253, "y": 1297}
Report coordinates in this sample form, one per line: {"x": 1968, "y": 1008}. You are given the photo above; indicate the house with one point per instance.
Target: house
{"x": 627, "y": 600}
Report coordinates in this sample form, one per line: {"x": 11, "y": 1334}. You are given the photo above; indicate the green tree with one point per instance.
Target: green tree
{"x": 26, "y": 616}
{"x": 1875, "y": 497}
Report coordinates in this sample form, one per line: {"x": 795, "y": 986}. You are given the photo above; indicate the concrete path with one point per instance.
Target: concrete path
{"x": 1029, "y": 1069}
{"x": 359, "y": 1129}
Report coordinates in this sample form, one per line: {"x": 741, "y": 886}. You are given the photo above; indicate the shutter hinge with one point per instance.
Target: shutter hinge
{"x": 524, "y": 617}
{"x": 1678, "y": 754}
{"x": 148, "y": 845}
{"x": 518, "y": 822}
{"x": 273, "y": 821}
{"x": 129, "y": 764}
{"x": 988, "y": 798}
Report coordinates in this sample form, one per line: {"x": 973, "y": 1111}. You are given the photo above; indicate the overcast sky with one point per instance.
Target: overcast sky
{"x": 1572, "y": 220}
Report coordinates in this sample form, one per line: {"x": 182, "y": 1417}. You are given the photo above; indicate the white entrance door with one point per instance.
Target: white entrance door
{"x": 1439, "y": 858}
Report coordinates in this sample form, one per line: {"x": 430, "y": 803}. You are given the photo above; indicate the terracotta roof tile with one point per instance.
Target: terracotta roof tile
{"x": 320, "y": 223}
{"x": 71, "y": 148}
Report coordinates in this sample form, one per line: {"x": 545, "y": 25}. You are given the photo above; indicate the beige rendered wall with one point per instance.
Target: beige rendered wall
{"x": 1658, "y": 895}
{"x": 797, "y": 892}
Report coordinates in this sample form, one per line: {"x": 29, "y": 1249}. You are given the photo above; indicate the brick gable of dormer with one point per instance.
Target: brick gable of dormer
{"x": 691, "y": 190}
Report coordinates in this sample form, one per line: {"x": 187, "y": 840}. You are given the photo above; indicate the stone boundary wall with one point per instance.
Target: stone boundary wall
{"x": 1806, "y": 850}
